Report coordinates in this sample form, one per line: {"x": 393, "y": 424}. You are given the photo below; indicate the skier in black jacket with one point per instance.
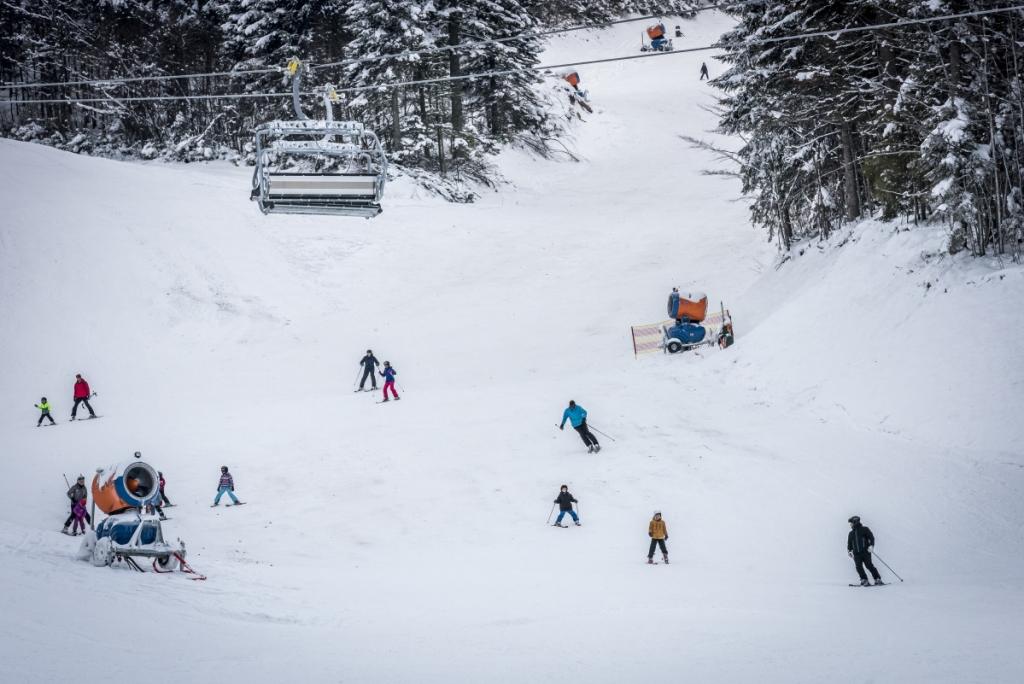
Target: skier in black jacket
{"x": 368, "y": 362}
{"x": 76, "y": 493}
{"x": 859, "y": 544}
{"x": 565, "y": 501}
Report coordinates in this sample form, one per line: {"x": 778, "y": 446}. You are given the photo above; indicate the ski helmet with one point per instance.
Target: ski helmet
{"x": 572, "y": 403}
{"x": 855, "y": 519}
{"x": 657, "y": 513}
{"x": 223, "y": 469}
{"x": 43, "y": 400}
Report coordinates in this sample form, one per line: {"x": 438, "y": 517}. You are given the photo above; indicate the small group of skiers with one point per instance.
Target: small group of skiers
{"x": 78, "y": 496}
{"x": 82, "y": 394}
{"x": 369, "y": 365}
{"x": 656, "y": 529}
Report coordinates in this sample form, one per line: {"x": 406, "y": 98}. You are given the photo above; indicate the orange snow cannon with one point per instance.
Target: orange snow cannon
{"x": 692, "y": 306}
{"x": 655, "y": 32}
{"x": 124, "y": 486}
{"x": 573, "y": 78}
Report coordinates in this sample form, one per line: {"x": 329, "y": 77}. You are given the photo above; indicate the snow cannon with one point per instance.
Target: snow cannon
{"x": 656, "y": 31}
{"x": 688, "y": 306}
{"x": 572, "y": 78}
{"x": 659, "y": 41}
{"x": 126, "y": 486}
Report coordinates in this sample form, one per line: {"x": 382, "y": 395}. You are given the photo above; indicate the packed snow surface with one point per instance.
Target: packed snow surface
{"x": 407, "y": 542}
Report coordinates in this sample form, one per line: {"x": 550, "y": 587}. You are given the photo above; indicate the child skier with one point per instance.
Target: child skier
{"x": 658, "y": 533}
{"x": 565, "y": 500}
{"x": 44, "y": 406}
{"x": 577, "y": 417}
{"x": 82, "y": 394}
{"x": 78, "y": 510}
{"x": 226, "y": 486}
{"x": 389, "y": 374}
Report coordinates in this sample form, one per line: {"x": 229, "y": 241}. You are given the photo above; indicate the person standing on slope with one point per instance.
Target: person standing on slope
{"x": 704, "y": 71}
{"x": 658, "y": 532}
{"x": 389, "y": 374}
{"x": 565, "y": 500}
{"x": 82, "y": 394}
{"x": 44, "y": 408}
{"x": 77, "y": 493}
{"x": 164, "y": 501}
{"x": 369, "y": 364}
{"x": 577, "y": 417}
{"x": 79, "y": 512}
{"x": 859, "y": 545}
{"x": 226, "y": 485}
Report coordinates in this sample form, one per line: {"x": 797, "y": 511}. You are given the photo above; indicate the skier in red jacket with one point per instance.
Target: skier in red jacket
{"x": 82, "y": 394}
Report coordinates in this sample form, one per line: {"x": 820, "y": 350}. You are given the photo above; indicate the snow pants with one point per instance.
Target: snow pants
{"x": 221, "y": 492}
{"x": 46, "y": 415}
{"x": 862, "y": 559}
{"x": 368, "y": 373}
{"x": 585, "y": 434}
{"x": 655, "y": 543}
{"x": 78, "y": 526}
{"x": 164, "y": 499}
{"x": 390, "y": 384}
{"x": 561, "y": 514}
{"x": 81, "y": 400}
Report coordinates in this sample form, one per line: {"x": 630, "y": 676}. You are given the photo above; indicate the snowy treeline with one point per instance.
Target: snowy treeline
{"x": 925, "y": 121}
{"x": 437, "y": 126}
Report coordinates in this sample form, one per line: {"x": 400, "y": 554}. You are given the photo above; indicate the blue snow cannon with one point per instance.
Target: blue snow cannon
{"x": 683, "y": 335}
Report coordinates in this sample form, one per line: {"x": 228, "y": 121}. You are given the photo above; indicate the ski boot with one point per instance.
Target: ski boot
{"x": 578, "y": 523}
{"x": 879, "y": 582}
{"x": 385, "y": 399}
{"x": 650, "y": 561}
{"x": 590, "y": 448}
{"x": 865, "y": 583}
{"x": 398, "y": 398}
{"x": 597, "y": 447}
{"x": 664, "y": 557}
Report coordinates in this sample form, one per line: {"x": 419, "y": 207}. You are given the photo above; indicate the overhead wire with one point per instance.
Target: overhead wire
{"x": 835, "y": 33}
{"x": 359, "y": 60}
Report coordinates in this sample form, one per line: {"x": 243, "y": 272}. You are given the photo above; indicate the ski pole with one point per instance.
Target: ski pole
{"x": 890, "y": 569}
{"x": 66, "y": 481}
{"x": 356, "y": 381}
{"x": 601, "y": 433}
{"x": 551, "y": 513}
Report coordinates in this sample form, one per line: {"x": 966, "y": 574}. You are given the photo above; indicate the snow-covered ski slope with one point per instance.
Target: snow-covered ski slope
{"x": 407, "y": 542}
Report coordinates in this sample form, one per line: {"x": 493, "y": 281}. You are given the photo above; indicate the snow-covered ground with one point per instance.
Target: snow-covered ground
{"x": 408, "y": 543}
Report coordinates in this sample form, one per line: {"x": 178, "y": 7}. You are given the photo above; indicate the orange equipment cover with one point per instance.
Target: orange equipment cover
{"x": 695, "y": 310}
{"x": 656, "y": 31}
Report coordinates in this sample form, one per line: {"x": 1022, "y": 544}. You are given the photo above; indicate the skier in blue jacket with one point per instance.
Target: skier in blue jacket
{"x": 577, "y": 416}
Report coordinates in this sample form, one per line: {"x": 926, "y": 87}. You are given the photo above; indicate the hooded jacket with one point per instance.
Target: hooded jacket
{"x": 565, "y": 501}
{"x": 82, "y": 389}
{"x": 657, "y": 529}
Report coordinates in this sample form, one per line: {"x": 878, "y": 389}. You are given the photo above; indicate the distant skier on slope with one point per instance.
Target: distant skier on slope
{"x": 577, "y": 417}
{"x": 76, "y": 493}
{"x": 704, "y": 71}
{"x": 369, "y": 364}
{"x": 82, "y": 394}
{"x": 658, "y": 532}
{"x": 226, "y": 485}
{"x": 163, "y": 495}
{"x": 44, "y": 408}
{"x": 859, "y": 545}
{"x": 389, "y": 374}
{"x": 565, "y": 500}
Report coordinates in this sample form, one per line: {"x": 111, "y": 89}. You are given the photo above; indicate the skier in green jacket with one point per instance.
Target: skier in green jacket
{"x": 44, "y": 406}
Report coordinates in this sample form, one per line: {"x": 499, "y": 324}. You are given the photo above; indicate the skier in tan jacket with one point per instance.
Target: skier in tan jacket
{"x": 658, "y": 532}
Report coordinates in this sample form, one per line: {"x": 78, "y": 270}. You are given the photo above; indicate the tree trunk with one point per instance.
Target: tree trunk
{"x": 396, "y": 121}
{"x": 455, "y": 69}
{"x": 849, "y": 173}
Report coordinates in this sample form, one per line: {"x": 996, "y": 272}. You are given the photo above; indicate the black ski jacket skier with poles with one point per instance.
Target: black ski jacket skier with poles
{"x": 369, "y": 363}
{"x": 565, "y": 501}
{"x": 860, "y": 539}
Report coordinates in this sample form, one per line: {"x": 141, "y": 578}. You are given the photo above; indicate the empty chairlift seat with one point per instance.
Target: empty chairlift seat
{"x": 318, "y": 167}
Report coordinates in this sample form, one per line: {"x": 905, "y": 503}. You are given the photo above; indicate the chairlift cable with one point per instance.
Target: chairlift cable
{"x": 834, "y": 33}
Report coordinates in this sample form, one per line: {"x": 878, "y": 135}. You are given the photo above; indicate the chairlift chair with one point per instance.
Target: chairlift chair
{"x": 310, "y": 166}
